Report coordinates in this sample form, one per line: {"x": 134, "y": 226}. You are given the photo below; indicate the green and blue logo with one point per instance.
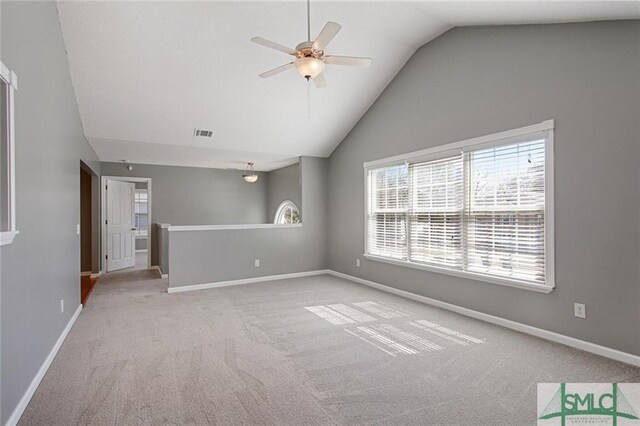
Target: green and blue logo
{"x": 588, "y": 403}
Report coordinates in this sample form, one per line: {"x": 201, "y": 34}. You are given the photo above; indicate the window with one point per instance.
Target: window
{"x": 141, "y": 212}
{"x": 387, "y": 235}
{"x": 8, "y": 85}
{"x": 287, "y": 213}
{"x": 479, "y": 208}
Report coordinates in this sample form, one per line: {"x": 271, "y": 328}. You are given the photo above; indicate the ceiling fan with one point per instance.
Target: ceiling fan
{"x": 310, "y": 58}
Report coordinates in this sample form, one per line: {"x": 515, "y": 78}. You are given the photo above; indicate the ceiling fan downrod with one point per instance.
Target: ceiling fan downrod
{"x": 309, "y": 20}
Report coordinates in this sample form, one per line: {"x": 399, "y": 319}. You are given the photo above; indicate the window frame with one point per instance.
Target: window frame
{"x": 11, "y": 80}
{"x": 281, "y": 209}
{"x": 545, "y": 130}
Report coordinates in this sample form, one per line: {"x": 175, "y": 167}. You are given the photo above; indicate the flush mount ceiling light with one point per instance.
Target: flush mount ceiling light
{"x": 250, "y": 175}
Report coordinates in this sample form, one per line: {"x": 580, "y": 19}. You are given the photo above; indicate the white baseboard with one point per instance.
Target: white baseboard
{"x": 24, "y": 401}
{"x": 157, "y": 268}
{"x": 246, "y": 281}
{"x": 96, "y": 275}
{"x": 534, "y": 331}
{"x": 85, "y": 273}
{"x": 141, "y": 251}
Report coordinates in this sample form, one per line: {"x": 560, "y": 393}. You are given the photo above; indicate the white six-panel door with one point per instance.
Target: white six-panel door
{"x": 121, "y": 239}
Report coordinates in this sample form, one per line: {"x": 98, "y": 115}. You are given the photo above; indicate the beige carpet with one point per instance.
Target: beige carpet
{"x": 317, "y": 350}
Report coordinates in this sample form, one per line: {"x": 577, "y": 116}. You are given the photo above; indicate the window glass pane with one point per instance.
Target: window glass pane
{"x": 141, "y": 210}
{"x": 508, "y": 176}
{"x": 387, "y": 235}
{"x": 506, "y": 211}
{"x": 143, "y": 222}
{"x": 295, "y": 216}
{"x": 141, "y": 207}
{"x": 390, "y": 187}
{"x": 508, "y": 244}
{"x": 287, "y": 213}
{"x": 387, "y": 216}
{"x": 436, "y": 216}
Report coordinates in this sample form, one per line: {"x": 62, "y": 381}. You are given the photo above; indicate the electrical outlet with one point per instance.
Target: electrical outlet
{"x": 61, "y": 306}
{"x": 579, "y": 310}
{"x": 78, "y": 229}
{"x": 357, "y": 263}
{"x": 257, "y": 263}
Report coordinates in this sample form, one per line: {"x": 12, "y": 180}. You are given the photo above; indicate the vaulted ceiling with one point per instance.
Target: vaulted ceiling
{"x": 147, "y": 73}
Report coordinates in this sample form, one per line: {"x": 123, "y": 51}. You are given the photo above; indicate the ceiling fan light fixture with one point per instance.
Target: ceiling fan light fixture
{"x": 250, "y": 175}
{"x": 309, "y": 67}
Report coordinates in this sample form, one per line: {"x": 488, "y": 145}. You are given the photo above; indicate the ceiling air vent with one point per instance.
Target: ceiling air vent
{"x": 202, "y": 133}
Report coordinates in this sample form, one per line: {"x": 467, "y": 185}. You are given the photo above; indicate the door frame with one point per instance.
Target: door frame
{"x": 103, "y": 215}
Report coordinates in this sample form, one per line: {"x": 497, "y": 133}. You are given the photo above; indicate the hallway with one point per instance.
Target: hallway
{"x": 141, "y": 261}
{"x": 141, "y": 264}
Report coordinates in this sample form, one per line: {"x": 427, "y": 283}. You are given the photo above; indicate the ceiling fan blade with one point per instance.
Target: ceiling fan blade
{"x": 349, "y": 61}
{"x": 273, "y": 45}
{"x": 275, "y": 71}
{"x": 320, "y": 81}
{"x": 326, "y": 35}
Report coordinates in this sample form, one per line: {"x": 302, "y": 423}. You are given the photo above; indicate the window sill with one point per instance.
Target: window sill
{"x": 540, "y": 288}
{"x": 7, "y": 237}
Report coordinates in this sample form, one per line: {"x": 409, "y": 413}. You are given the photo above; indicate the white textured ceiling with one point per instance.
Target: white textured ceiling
{"x": 147, "y": 73}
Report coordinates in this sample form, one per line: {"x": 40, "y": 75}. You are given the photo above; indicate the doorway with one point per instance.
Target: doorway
{"x": 126, "y": 222}
{"x": 89, "y": 236}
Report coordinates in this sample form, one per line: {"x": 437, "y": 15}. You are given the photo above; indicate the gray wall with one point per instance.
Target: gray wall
{"x": 163, "y": 249}
{"x": 198, "y": 257}
{"x": 480, "y": 80}
{"x": 283, "y": 184}
{"x": 42, "y": 266}
{"x": 197, "y": 196}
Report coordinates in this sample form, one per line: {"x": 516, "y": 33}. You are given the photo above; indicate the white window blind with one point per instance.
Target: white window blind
{"x": 437, "y": 201}
{"x": 480, "y": 211}
{"x": 506, "y": 211}
{"x": 388, "y": 207}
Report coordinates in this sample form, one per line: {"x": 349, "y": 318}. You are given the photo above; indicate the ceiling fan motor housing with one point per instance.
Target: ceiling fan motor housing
{"x": 306, "y": 49}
